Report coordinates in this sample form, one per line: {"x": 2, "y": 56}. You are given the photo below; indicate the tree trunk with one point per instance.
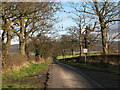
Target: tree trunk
{"x": 6, "y": 45}
{"x": 80, "y": 43}
{"x": 72, "y": 51}
{"x": 80, "y": 47}
{"x": 22, "y": 47}
{"x": 86, "y": 42}
{"x": 5, "y": 50}
{"x": 3, "y": 45}
{"x": 22, "y": 37}
{"x": 88, "y": 53}
{"x": 104, "y": 40}
{"x": 63, "y": 53}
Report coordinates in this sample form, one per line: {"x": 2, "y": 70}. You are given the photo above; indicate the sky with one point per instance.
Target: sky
{"x": 63, "y": 21}
{"x": 56, "y": 0}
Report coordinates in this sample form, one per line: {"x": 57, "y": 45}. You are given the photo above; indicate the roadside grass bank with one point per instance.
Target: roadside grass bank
{"x": 32, "y": 76}
{"x": 91, "y": 66}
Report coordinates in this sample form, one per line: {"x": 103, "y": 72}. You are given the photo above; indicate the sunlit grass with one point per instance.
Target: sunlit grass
{"x": 76, "y": 54}
{"x": 67, "y": 56}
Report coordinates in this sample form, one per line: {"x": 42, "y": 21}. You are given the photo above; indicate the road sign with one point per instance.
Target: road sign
{"x": 85, "y": 50}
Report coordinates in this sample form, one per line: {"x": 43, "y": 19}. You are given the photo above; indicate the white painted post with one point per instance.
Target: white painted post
{"x": 85, "y": 51}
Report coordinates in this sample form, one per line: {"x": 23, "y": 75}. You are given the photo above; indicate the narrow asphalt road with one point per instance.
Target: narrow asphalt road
{"x": 64, "y": 76}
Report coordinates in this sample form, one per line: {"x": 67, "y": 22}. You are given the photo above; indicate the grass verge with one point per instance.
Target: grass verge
{"x": 25, "y": 77}
{"x": 88, "y": 66}
{"x": 67, "y": 56}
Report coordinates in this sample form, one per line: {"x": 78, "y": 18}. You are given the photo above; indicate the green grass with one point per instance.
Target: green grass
{"x": 77, "y": 54}
{"x": 91, "y": 67}
{"x": 32, "y": 69}
{"x": 67, "y": 56}
{"x": 15, "y": 85}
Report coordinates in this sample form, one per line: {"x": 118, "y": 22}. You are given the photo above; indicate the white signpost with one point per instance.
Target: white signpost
{"x": 85, "y": 51}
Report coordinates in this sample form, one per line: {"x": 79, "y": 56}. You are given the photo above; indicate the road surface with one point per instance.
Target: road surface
{"x": 64, "y": 76}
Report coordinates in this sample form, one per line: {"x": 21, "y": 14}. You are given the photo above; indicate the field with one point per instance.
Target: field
{"x": 76, "y": 54}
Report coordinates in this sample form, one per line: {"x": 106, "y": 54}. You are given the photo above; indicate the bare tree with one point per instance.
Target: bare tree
{"x": 31, "y": 17}
{"x": 64, "y": 45}
{"x": 113, "y": 38}
{"x": 84, "y": 30}
{"x": 104, "y": 12}
{"x": 9, "y": 15}
{"x": 41, "y": 46}
{"x": 73, "y": 32}
{"x": 89, "y": 38}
